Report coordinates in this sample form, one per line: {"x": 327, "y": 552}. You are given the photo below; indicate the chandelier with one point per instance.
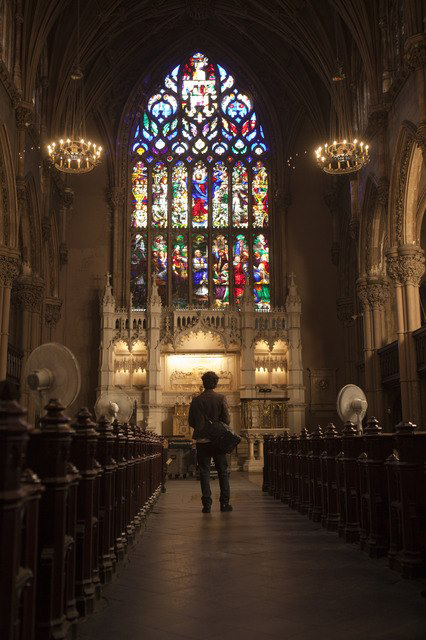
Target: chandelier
{"x": 73, "y": 152}
{"x": 345, "y": 154}
{"x": 342, "y": 157}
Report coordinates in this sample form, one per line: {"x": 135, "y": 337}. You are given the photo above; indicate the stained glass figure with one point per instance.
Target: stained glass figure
{"x": 240, "y": 264}
{"x": 239, "y": 196}
{"x": 180, "y": 272}
{"x": 220, "y": 195}
{"x": 199, "y": 96}
{"x": 138, "y": 270}
{"x": 259, "y": 190}
{"x": 140, "y": 195}
{"x": 200, "y": 280}
{"x": 179, "y": 196}
{"x": 159, "y": 264}
{"x": 220, "y": 271}
{"x": 159, "y": 195}
{"x": 262, "y": 296}
{"x": 200, "y": 195}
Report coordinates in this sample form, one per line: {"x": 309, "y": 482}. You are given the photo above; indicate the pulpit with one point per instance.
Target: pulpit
{"x": 259, "y": 417}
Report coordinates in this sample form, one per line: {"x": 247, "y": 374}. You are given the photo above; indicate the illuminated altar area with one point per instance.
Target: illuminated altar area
{"x": 157, "y": 357}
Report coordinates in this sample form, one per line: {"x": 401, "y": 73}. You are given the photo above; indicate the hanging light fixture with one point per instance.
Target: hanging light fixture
{"x": 342, "y": 157}
{"x": 74, "y": 153}
{"x": 346, "y": 154}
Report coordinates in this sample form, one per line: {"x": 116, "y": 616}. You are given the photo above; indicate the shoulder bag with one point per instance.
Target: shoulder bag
{"x": 221, "y": 436}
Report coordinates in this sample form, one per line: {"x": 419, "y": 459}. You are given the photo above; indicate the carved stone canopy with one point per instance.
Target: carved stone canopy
{"x": 9, "y": 266}
{"x": 406, "y": 264}
{"x": 27, "y": 293}
{"x": 52, "y": 311}
{"x": 345, "y": 311}
{"x": 374, "y": 292}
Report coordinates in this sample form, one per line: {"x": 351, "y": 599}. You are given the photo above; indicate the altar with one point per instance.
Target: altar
{"x": 158, "y": 355}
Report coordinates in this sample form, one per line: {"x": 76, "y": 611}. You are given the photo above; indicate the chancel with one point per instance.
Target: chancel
{"x": 228, "y": 186}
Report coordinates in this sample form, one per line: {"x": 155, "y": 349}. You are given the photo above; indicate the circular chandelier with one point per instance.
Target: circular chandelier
{"x": 342, "y": 157}
{"x": 73, "y": 153}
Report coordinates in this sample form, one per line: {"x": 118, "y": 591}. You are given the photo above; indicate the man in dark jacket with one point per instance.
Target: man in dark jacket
{"x": 213, "y": 406}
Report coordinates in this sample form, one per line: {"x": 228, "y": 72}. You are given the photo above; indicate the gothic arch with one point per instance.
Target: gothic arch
{"x": 30, "y": 240}
{"x": 373, "y": 231}
{"x": 401, "y": 226}
{"x": 119, "y": 165}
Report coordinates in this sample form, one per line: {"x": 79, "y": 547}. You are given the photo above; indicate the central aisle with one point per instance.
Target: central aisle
{"x": 260, "y": 572}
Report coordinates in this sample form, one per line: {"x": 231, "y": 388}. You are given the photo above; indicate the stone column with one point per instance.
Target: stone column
{"x": 248, "y": 333}
{"x": 406, "y": 265}
{"x": 153, "y": 393}
{"x": 28, "y": 296}
{"x": 261, "y": 448}
{"x": 9, "y": 269}
{"x": 295, "y": 387}
{"x": 345, "y": 313}
{"x": 374, "y": 293}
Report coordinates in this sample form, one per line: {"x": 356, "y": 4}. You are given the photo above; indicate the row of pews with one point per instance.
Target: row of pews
{"x": 370, "y": 489}
{"x": 72, "y": 499}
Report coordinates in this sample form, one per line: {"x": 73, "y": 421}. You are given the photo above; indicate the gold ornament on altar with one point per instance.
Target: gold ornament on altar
{"x": 74, "y": 153}
{"x": 342, "y": 157}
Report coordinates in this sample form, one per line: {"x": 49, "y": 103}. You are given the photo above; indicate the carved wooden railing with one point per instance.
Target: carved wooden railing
{"x": 14, "y": 364}
{"x": 370, "y": 489}
{"x": 68, "y": 515}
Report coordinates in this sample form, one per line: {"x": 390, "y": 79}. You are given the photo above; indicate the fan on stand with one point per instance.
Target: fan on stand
{"x": 352, "y": 405}
{"x": 114, "y": 404}
{"x": 52, "y": 371}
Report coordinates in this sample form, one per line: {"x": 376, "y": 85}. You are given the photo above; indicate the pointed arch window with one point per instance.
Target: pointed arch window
{"x": 199, "y": 186}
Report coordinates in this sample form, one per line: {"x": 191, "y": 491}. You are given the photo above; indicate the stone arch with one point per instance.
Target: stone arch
{"x": 401, "y": 203}
{"x": 30, "y": 241}
{"x": 373, "y": 230}
{"x": 9, "y": 219}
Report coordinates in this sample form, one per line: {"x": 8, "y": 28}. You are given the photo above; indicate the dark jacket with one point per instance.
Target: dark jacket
{"x": 210, "y": 404}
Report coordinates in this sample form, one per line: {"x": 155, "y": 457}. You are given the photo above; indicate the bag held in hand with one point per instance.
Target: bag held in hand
{"x": 221, "y": 436}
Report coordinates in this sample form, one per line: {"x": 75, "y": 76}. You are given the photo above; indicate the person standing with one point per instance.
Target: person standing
{"x": 213, "y": 406}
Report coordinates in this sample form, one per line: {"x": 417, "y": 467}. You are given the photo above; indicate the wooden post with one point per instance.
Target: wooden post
{"x": 48, "y": 455}
{"x": 83, "y": 451}
{"x": 19, "y": 497}
{"x": 120, "y": 540}
{"x": 106, "y": 499}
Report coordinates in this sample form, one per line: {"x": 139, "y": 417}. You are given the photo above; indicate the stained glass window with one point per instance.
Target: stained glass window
{"x": 179, "y": 195}
{"x": 159, "y": 195}
{"x": 220, "y": 195}
{"x": 200, "y": 277}
{"x": 140, "y": 195}
{"x": 240, "y": 264}
{"x": 159, "y": 264}
{"x": 220, "y": 271}
{"x": 240, "y": 196}
{"x": 262, "y": 296}
{"x": 200, "y": 182}
{"x": 180, "y": 272}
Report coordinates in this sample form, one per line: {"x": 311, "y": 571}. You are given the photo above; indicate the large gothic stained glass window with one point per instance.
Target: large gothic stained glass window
{"x": 199, "y": 186}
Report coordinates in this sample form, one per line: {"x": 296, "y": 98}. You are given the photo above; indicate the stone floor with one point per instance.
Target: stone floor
{"x": 260, "y": 572}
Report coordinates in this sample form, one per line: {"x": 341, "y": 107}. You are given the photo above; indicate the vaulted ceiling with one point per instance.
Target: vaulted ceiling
{"x": 285, "y": 50}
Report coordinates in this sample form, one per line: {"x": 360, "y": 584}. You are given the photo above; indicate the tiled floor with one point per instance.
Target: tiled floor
{"x": 260, "y": 572}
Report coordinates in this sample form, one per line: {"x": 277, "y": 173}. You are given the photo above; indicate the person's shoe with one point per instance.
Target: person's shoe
{"x": 205, "y": 510}
{"x": 225, "y": 506}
